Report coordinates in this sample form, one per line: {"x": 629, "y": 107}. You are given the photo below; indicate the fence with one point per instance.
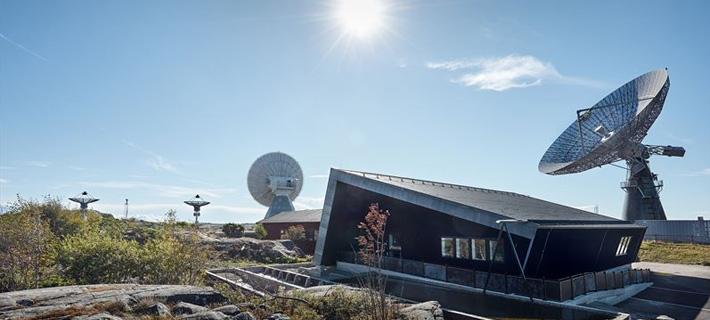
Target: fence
{"x": 689, "y": 231}
{"x": 558, "y": 289}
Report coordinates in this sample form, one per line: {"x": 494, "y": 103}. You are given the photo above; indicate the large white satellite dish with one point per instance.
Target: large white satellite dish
{"x": 611, "y": 131}
{"x": 275, "y": 180}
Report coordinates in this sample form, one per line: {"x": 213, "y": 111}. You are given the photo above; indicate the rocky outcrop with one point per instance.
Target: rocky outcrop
{"x": 430, "y": 310}
{"x": 95, "y": 299}
{"x": 267, "y": 251}
{"x": 187, "y": 308}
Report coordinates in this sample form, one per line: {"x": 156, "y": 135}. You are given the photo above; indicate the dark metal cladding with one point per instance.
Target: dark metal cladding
{"x": 551, "y": 240}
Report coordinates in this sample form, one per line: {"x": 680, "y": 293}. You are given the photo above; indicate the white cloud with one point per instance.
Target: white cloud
{"x": 159, "y": 163}
{"x": 3, "y": 181}
{"x": 156, "y": 211}
{"x": 39, "y": 164}
{"x": 500, "y": 74}
{"x": 319, "y": 176}
{"x": 302, "y": 203}
{"x": 170, "y": 191}
{"x": 155, "y": 160}
{"x": 702, "y": 173}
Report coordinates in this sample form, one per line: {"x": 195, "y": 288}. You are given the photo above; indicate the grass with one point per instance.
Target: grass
{"x": 669, "y": 252}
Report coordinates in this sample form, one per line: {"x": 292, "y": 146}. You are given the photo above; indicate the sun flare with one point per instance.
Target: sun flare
{"x": 360, "y": 18}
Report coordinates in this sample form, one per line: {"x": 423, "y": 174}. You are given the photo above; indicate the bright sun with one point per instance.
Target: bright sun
{"x": 360, "y": 18}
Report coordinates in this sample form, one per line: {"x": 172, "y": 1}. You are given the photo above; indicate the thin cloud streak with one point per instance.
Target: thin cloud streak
{"x": 4, "y": 181}
{"x": 504, "y": 73}
{"x": 39, "y": 164}
{"x": 155, "y": 161}
{"x": 23, "y": 48}
{"x": 170, "y": 191}
{"x": 702, "y": 173}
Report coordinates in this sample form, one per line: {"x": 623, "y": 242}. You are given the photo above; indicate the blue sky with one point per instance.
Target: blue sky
{"x": 157, "y": 100}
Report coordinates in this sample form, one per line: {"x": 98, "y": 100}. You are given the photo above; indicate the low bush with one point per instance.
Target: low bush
{"x": 233, "y": 230}
{"x": 295, "y": 233}
{"x": 260, "y": 231}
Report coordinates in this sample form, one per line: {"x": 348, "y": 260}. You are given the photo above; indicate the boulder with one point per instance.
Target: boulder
{"x": 230, "y": 310}
{"x": 430, "y": 310}
{"x": 278, "y": 316}
{"x": 204, "y": 315}
{"x": 267, "y": 251}
{"x": 244, "y": 316}
{"x": 187, "y": 308}
{"x": 155, "y": 309}
{"x": 99, "y": 316}
{"x": 47, "y": 301}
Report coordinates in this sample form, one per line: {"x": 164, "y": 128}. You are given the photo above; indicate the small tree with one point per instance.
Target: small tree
{"x": 26, "y": 248}
{"x": 260, "y": 231}
{"x": 372, "y": 247}
{"x": 233, "y": 230}
{"x": 295, "y": 233}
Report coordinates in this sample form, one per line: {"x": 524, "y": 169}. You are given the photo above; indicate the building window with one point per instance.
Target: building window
{"x": 448, "y": 248}
{"x": 623, "y": 246}
{"x": 394, "y": 243}
{"x": 480, "y": 251}
{"x": 463, "y": 249}
{"x": 498, "y": 255}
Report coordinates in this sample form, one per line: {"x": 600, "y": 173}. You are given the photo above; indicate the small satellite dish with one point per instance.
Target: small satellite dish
{"x": 83, "y": 199}
{"x": 611, "y": 131}
{"x": 275, "y": 180}
{"x": 196, "y": 203}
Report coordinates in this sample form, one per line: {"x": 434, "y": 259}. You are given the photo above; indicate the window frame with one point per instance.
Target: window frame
{"x": 459, "y": 252}
{"x": 443, "y": 247}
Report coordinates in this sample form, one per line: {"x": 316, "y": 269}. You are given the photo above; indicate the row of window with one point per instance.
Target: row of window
{"x": 467, "y": 248}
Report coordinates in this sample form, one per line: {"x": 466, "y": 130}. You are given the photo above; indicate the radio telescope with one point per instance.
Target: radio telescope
{"x": 275, "y": 180}
{"x": 196, "y": 203}
{"x": 611, "y": 131}
{"x": 83, "y": 200}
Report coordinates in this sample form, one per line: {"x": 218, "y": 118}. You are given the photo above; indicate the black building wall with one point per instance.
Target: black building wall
{"x": 419, "y": 230}
{"x": 574, "y": 251}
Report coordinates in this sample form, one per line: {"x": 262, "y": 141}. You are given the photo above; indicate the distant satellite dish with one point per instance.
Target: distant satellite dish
{"x": 612, "y": 130}
{"x": 275, "y": 180}
{"x": 83, "y": 199}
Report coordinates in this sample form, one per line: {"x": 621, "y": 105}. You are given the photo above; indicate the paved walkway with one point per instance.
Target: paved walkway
{"x": 678, "y": 291}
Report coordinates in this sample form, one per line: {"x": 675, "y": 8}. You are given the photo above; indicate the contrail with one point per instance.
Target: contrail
{"x": 36, "y": 55}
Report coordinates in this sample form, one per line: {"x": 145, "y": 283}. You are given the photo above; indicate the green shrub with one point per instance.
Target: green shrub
{"x": 260, "y": 231}
{"x": 93, "y": 256}
{"x": 173, "y": 259}
{"x": 233, "y": 230}
{"x": 26, "y": 249}
{"x": 295, "y": 233}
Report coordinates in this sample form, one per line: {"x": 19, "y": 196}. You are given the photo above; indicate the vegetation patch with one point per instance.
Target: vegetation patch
{"x": 670, "y": 252}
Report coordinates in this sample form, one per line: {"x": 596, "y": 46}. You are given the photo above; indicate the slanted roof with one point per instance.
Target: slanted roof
{"x": 508, "y": 204}
{"x": 298, "y": 216}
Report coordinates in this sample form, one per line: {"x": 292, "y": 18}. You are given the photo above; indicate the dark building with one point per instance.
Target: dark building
{"x": 277, "y": 225}
{"x": 458, "y": 226}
